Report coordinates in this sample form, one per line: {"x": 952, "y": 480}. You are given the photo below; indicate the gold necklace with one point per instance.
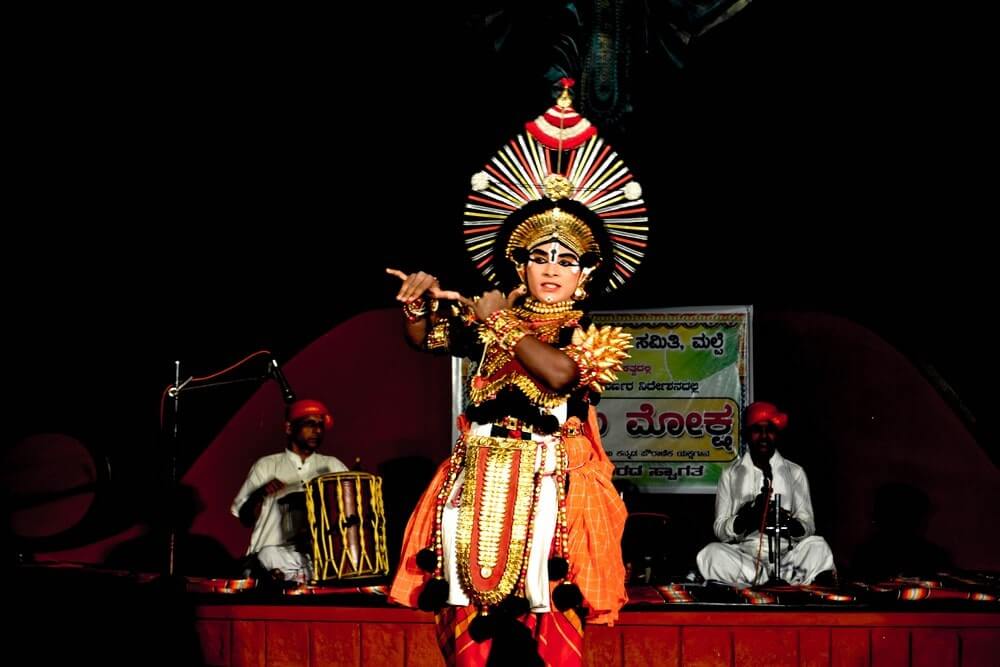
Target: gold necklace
{"x": 533, "y": 305}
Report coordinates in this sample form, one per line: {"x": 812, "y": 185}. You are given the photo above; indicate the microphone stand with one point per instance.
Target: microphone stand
{"x": 774, "y": 529}
{"x": 174, "y": 393}
{"x": 172, "y": 472}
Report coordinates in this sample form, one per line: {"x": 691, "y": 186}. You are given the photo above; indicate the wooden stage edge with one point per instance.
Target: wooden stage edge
{"x": 234, "y": 635}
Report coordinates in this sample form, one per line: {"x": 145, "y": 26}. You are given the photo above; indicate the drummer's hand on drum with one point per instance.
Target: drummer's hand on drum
{"x": 273, "y": 487}
{"x": 415, "y": 285}
{"x": 250, "y": 510}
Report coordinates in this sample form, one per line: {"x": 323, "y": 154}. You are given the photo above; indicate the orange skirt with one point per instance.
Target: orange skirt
{"x": 595, "y": 519}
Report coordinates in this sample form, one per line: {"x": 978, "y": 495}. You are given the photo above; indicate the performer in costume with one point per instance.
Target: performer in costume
{"x": 518, "y": 537}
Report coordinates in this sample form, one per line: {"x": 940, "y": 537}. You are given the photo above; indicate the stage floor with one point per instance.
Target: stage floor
{"x": 65, "y": 613}
{"x": 238, "y": 635}
{"x": 950, "y": 620}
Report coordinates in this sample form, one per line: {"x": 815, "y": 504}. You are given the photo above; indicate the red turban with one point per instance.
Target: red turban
{"x": 301, "y": 409}
{"x": 762, "y": 411}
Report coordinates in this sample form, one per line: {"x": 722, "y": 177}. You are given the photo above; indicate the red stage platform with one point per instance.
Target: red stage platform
{"x": 307, "y": 635}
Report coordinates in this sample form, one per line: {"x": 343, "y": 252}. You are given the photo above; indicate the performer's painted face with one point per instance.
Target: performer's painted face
{"x": 553, "y": 272}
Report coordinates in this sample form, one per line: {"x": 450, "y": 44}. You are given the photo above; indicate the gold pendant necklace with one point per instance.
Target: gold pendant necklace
{"x": 533, "y": 305}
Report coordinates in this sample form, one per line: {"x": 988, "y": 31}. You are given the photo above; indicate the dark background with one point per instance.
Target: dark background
{"x": 197, "y": 186}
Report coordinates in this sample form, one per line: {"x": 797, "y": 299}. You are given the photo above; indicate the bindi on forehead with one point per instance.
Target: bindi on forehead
{"x": 553, "y": 251}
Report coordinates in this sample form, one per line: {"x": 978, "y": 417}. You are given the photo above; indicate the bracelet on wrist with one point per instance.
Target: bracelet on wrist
{"x": 415, "y": 310}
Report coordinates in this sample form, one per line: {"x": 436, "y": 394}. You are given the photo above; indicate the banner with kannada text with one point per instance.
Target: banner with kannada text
{"x": 671, "y": 422}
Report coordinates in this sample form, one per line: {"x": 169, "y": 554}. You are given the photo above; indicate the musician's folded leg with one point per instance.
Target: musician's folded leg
{"x": 293, "y": 565}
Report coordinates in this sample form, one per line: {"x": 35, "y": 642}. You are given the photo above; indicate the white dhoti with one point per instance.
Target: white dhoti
{"x": 737, "y": 564}
{"x": 733, "y": 559}
{"x": 295, "y": 566}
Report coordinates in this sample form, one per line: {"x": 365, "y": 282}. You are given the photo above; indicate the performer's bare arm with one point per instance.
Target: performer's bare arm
{"x": 545, "y": 362}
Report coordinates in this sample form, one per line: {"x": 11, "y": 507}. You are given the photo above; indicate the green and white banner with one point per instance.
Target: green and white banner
{"x": 671, "y": 422}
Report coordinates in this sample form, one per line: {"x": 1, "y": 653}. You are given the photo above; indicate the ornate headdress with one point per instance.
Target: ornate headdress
{"x": 553, "y": 225}
{"x": 556, "y": 180}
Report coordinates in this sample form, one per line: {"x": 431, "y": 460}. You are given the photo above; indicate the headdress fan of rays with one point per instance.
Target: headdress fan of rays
{"x": 558, "y": 156}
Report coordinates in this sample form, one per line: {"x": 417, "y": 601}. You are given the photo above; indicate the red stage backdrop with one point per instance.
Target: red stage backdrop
{"x": 862, "y": 416}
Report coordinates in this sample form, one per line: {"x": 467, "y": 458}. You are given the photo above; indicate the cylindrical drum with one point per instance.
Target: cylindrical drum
{"x": 347, "y": 522}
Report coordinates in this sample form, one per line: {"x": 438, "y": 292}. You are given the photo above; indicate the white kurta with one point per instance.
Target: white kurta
{"x": 273, "y": 532}
{"x": 733, "y": 560}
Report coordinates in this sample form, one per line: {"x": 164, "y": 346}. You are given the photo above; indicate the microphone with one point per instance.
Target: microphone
{"x": 768, "y": 479}
{"x": 275, "y": 372}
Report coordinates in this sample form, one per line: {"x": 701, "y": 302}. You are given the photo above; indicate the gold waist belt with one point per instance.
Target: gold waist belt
{"x": 495, "y": 511}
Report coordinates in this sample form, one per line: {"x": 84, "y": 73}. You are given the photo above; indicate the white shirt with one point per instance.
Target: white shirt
{"x": 287, "y": 466}
{"x": 741, "y": 482}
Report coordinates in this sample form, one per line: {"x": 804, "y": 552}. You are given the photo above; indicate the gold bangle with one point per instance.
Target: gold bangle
{"x": 506, "y": 329}
{"x": 437, "y": 337}
{"x": 415, "y": 310}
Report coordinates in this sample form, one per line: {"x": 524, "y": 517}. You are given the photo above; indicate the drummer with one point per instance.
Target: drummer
{"x": 272, "y": 502}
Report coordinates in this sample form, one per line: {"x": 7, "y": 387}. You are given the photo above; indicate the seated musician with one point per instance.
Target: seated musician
{"x": 272, "y": 501}
{"x": 741, "y": 557}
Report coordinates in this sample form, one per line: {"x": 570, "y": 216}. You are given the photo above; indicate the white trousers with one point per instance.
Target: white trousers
{"x": 736, "y": 564}
{"x": 294, "y": 565}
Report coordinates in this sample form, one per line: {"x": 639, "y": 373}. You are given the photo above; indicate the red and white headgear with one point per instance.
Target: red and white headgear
{"x": 304, "y": 408}
{"x": 762, "y": 411}
{"x": 558, "y": 165}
